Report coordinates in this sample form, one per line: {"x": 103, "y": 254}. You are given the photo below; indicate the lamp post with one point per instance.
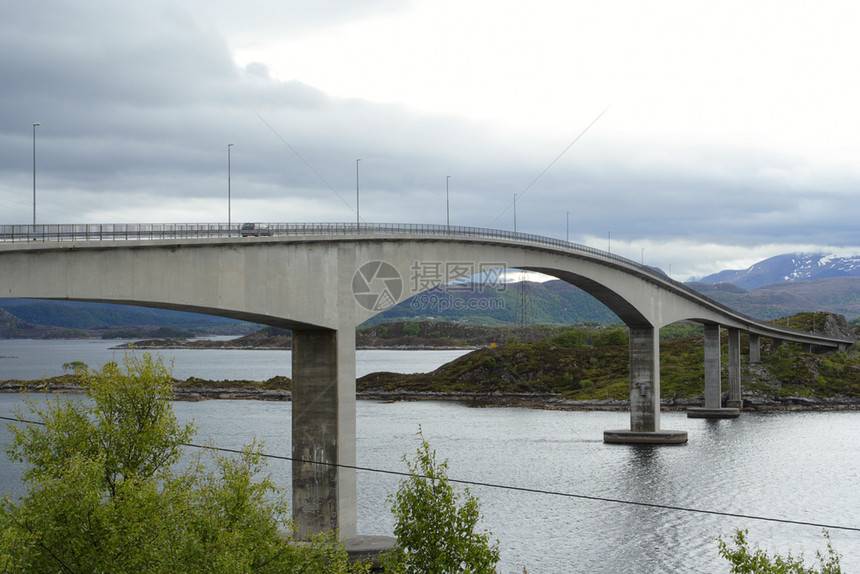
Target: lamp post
{"x": 447, "y": 204}
{"x": 357, "y": 209}
{"x": 515, "y": 213}
{"x": 568, "y": 227}
{"x": 35, "y": 125}
{"x": 229, "y": 190}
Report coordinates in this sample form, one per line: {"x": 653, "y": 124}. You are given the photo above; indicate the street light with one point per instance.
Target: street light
{"x": 229, "y": 215}
{"x": 515, "y": 213}
{"x": 357, "y": 210}
{"x": 568, "y": 227}
{"x": 447, "y": 204}
{"x": 35, "y": 125}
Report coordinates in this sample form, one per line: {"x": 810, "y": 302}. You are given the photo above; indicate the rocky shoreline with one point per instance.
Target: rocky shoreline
{"x": 212, "y": 390}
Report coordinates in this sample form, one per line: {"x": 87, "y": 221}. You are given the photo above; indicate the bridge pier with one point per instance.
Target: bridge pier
{"x": 734, "y": 400}
{"x": 713, "y": 408}
{"x": 755, "y": 348}
{"x": 323, "y": 433}
{"x": 644, "y": 394}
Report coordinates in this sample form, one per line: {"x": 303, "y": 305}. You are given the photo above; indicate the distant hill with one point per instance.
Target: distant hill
{"x": 788, "y": 268}
{"x": 81, "y": 315}
{"x": 839, "y": 295}
{"x": 550, "y": 303}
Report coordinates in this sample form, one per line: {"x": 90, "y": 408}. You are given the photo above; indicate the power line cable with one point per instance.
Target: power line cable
{"x": 552, "y": 163}
{"x": 306, "y": 162}
{"x": 520, "y": 488}
{"x": 552, "y": 492}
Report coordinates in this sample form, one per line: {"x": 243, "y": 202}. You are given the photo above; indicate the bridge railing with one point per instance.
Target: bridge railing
{"x": 151, "y": 231}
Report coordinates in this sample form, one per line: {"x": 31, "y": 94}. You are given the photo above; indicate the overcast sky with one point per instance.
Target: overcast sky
{"x": 710, "y": 134}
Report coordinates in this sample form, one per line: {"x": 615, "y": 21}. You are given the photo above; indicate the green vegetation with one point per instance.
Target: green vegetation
{"x": 589, "y": 363}
{"x": 517, "y": 367}
{"x": 553, "y": 302}
{"x": 814, "y": 322}
{"x": 448, "y": 334}
{"x": 435, "y": 531}
{"x": 74, "y": 366}
{"x": 681, "y": 330}
{"x": 411, "y": 329}
{"x": 746, "y": 561}
{"x": 276, "y": 383}
{"x": 104, "y": 494}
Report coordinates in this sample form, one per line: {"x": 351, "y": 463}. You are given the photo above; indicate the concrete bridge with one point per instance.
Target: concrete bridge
{"x": 323, "y": 280}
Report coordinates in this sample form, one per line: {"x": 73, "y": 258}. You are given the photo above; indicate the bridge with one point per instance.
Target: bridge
{"x": 323, "y": 280}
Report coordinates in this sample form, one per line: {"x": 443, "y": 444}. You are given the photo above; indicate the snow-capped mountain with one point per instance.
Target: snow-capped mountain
{"x": 790, "y": 267}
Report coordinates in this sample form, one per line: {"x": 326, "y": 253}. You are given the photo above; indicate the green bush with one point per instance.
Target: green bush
{"x": 617, "y": 336}
{"x": 572, "y": 338}
{"x": 435, "y": 532}
{"x": 745, "y": 561}
{"x": 412, "y": 329}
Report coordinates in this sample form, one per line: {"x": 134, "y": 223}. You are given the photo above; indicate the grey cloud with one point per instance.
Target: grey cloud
{"x": 141, "y": 102}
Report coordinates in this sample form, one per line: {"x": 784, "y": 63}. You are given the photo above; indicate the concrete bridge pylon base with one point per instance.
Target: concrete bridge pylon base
{"x": 713, "y": 413}
{"x": 624, "y": 436}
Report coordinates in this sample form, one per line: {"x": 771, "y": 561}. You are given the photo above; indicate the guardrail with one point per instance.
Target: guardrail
{"x": 153, "y": 231}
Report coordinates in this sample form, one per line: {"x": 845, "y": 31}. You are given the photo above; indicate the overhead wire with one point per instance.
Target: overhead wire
{"x": 552, "y": 163}
{"x": 304, "y": 161}
{"x": 540, "y": 491}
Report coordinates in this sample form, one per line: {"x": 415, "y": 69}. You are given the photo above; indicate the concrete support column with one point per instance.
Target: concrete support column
{"x": 323, "y": 405}
{"x": 734, "y": 400}
{"x": 713, "y": 408}
{"x": 713, "y": 388}
{"x": 755, "y": 348}
{"x": 644, "y": 394}
{"x": 806, "y": 347}
{"x": 644, "y": 379}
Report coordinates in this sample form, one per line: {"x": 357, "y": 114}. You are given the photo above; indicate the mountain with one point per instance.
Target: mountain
{"x": 81, "y": 315}
{"x": 839, "y": 295}
{"x": 550, "y": 302}
{"x": 789, "y": 267}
